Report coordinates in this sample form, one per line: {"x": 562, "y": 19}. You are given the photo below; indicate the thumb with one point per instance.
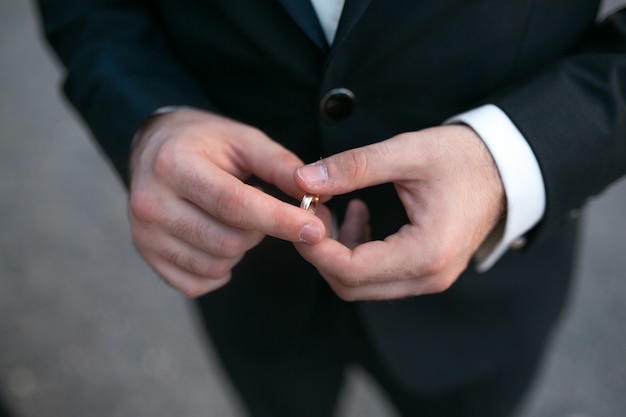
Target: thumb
{"x": 354, "y": 169}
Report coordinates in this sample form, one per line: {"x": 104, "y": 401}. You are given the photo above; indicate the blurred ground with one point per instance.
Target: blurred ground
{"x": 87, "y": 330}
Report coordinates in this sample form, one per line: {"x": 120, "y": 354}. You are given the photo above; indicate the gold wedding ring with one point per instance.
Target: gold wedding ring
{"x": 309, "y": 202}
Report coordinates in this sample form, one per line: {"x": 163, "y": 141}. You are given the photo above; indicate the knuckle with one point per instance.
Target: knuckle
{"x": 441, "y": 284}
{"x": 434, "y": 150}
{"x": 355, "y": 165}
{"x": 184, "y": 261}
{"x": 195, "y": 286}
{"x": 218, "y": 270}
{"x": 230, "y": 246}
{"x": 185, "y": 230}
{"x": 445, "y": 279}
{"x": 165, "y": 159}
{"x": 358, "y": 165}
{"x": 212, "y": 269}
{"x": 247, "y": 132}
{"x": 228, "y": 205}
{"x": 437, "y": 262}
{"x": 204, "y": 237}
{"x": 345, "y": 294}
{"x": 193, "y": 289}
{"x": 143, "y": 206}
{"x": 286, "y": 159}
{"x": 351, "y": 280}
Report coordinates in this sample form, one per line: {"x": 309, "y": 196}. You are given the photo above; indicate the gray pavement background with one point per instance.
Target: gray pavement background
{"x": 86, "y": 329}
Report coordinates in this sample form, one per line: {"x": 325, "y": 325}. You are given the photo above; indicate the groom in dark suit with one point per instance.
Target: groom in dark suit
{"x": 457, "y": 139}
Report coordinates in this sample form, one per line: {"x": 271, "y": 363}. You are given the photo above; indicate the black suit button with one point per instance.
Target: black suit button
{"x": 337, "y": 104}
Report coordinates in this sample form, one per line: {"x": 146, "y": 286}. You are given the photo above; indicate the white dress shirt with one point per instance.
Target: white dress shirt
{"x": 516, "y": 162}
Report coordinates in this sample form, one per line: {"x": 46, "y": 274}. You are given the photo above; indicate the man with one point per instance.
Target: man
{"x": 220, "y": 115}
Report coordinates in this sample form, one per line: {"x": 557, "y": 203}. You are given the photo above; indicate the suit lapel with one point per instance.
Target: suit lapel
{"x": 303, "y": 13}
{"x": 352, "y": 12}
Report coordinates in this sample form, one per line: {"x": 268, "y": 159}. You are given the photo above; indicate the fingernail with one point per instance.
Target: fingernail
{"x": 313, "y": 174}
{"x": 311, "y": 233}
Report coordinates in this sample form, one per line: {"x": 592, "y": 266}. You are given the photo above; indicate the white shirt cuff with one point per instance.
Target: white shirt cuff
{"x": 521, "y": 177}
{"x": 157, "y": 112}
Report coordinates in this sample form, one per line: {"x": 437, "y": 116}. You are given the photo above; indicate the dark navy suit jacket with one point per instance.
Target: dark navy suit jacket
{"x": 411, "y": 64}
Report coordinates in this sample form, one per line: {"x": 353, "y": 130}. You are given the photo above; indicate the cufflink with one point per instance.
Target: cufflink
{"x": 519, "y": 243}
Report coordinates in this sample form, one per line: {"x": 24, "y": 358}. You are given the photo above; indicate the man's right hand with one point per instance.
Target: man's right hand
{"x": 192, "y": 217}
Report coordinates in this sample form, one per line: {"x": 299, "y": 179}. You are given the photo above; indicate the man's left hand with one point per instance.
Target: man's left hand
{"x": 453, "y": 196}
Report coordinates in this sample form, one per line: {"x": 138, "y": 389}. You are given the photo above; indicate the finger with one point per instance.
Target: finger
{"x": 392, "y": 290}
{"x": 153, "y": 241}
{"x": 195, "y": 261}
{"x": 399, "y": 257}
{"x": 184, "y": 281}
{"x": 379, "y": 270}
{"x": 355, "y": 228}
{"x": 204, "y": 232}
{"x": 242, "y": 206}
{"x": 165, "y": 214}
{"x": 379, "y": 163}
{"x": 271, "y": 162}
{"x": 370, "y": 263}
{"x": 180, "y": 264}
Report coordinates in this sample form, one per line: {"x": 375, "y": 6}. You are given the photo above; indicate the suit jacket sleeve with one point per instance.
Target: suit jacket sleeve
{"x": 120, "y": 68}
{"x": 573, "y": 114}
